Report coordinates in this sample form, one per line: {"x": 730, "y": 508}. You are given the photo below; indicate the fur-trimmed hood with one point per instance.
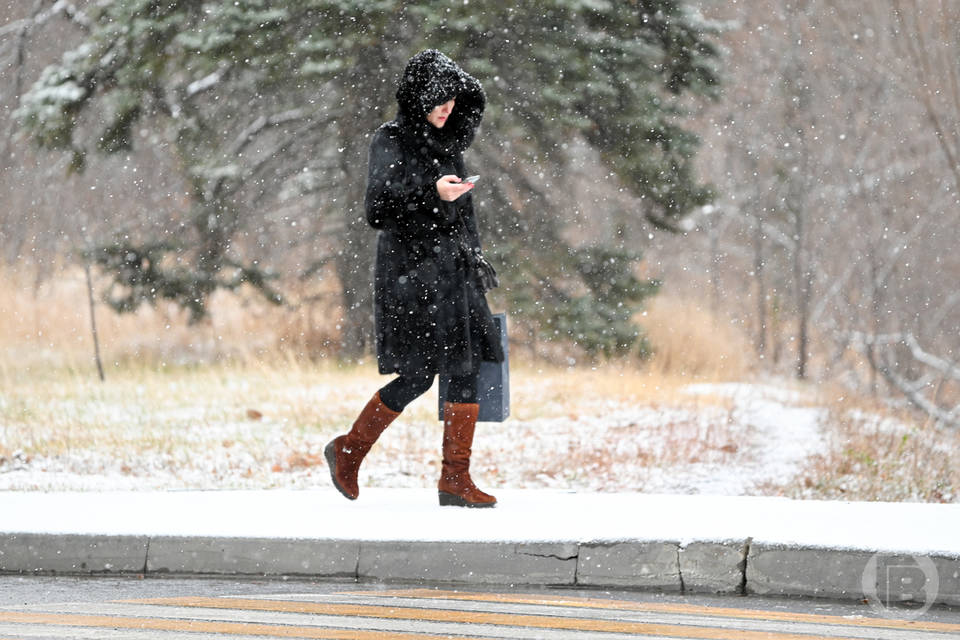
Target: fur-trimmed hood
{"x": 430, "y": 79}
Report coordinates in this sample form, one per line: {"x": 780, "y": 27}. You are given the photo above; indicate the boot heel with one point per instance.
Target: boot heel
{"x": 450, "y": 500}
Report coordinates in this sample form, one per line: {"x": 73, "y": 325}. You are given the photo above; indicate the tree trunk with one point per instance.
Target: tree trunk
{"x": 761, "y": 340}
{"x": 354, "y": 264}
{"x": 361, "y": 114}
{"x": 801, "y": 274}
{"x": 715, "y": 267}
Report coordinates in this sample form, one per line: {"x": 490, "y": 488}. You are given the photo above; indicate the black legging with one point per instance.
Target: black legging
{"x": 404, "y": 389}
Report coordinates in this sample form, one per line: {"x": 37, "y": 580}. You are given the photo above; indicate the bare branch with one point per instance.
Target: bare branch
{"x": 942, "y": 313}
{"x": 838, "y": 284}
{"x": 771, "y": 231}
{"x": 951, "y": 70}
{"x": 917, "y": 49}
{"x": 912, "y": 389}
{"x": 896, "y": 253}
{"x": 948, "y": 369}
{"x": 291, "y": 171}
{"x": 215, "y": 189}
{"x": 948, "y": 418}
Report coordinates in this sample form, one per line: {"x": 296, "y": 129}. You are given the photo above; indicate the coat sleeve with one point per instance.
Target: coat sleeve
{"x": 470, "y": 221}
{"x": 393, "y": 196}
{"x": 467, "y": 211}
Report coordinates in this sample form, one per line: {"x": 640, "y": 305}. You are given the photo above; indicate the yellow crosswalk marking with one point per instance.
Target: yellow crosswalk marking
{"x": 662, "y": 607}
{"x": 356, "y": 615}
{"x": 203, "y": 626}
{"x": 475, "y": 617}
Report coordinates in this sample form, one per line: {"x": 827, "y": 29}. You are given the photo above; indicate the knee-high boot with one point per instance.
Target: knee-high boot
{"x": 345, "y": 453}
{"x": 455, "y": 486}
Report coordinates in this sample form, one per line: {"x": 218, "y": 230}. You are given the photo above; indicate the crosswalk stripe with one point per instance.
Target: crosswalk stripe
{"x": 48, "y": 632}
{"x": 236, "y": 628}
{"x": 567, "y": 601}
{"x": 431, "y": 614}
{"x": 327, "y": 621}
{"x": 515, "y": 620}
{"x": 609, "y": 613}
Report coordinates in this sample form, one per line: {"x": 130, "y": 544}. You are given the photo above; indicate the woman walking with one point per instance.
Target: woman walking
{"x": 429, "y": 307}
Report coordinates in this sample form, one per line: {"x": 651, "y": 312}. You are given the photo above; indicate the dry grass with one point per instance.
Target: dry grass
{"x": 690, "y": 341}
{"x": 48, "y": 326}
{"x": 243, "y": 425}
{"x": 879, "y": 453}
{"x": 680, "y": 440}
{"x": 236, "y": 425}
{"x": 241, "y": 386}
{"x": 238, "y": 402}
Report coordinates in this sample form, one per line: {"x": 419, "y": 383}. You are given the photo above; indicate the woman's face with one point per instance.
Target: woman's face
{"x": 438, "y": 116}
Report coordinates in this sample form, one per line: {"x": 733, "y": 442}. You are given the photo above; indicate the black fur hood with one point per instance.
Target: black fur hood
{"x": 430, "y": 79}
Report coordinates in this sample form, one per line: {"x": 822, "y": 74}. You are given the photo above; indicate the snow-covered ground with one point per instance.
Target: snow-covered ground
{"x": 730, "y": 439}
{"x": 778, "y": 438}
{"x": 538, "y": 515}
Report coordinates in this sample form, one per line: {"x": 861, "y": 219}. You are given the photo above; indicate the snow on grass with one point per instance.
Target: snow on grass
{"x": 876, "y": 456}
{"x": 603, "y": 430}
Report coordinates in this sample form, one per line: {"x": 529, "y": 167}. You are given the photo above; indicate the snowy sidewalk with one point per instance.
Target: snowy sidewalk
{"x": 669, "y": 542}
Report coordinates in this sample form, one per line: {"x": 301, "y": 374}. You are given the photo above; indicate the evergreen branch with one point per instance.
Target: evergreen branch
{"x": 218, "y": 189}
{"x": 663, "y": 223}
{"x": 207, "y": 82}
{"x": 524, "y": 183}
{"x": 292, "y": 170}
{"x": 284, "y": 145}
{"x": 23, "y": 26}
{"x": 253, "y": 276}
{"x": 247, "y": 135}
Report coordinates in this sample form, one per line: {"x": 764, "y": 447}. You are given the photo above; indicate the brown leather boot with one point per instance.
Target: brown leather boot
{"x": 455, "y": 486}
{"x": 345, "y": 453}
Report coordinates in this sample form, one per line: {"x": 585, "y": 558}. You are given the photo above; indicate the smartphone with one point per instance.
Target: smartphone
{"x": 472, "y": 179}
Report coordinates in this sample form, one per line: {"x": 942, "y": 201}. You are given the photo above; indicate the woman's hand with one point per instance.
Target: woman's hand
{"x": 451, "y": 187}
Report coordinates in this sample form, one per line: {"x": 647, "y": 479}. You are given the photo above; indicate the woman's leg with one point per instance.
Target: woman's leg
{"x": 345, "y": 453}
{"x": 460, "y": 413}
{"x": 404, "y": 389}
{"x": 463, "y": 388}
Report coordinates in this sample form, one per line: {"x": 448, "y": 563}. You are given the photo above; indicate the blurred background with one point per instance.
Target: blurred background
{"x": 676, "y": 190}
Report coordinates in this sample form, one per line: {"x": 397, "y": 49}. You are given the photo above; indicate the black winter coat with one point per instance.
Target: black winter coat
{"x": 430, "y": 314}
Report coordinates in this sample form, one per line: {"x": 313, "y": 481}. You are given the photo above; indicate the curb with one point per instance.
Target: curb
{"x": 737, "y": 567}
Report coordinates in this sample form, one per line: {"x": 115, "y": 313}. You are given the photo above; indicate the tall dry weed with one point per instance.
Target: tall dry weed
{"x": 691, "y": 341}
{"x": 47, "y": 324}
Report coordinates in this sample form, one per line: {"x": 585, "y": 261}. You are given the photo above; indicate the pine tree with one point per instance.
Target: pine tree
{"x": 256, "y": 98}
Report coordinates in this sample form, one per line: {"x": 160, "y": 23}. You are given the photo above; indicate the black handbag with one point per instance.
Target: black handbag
{"x": 493, "y": 382}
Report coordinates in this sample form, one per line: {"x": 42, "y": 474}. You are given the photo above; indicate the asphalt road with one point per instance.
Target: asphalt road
{"x": 198, "y": 609}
